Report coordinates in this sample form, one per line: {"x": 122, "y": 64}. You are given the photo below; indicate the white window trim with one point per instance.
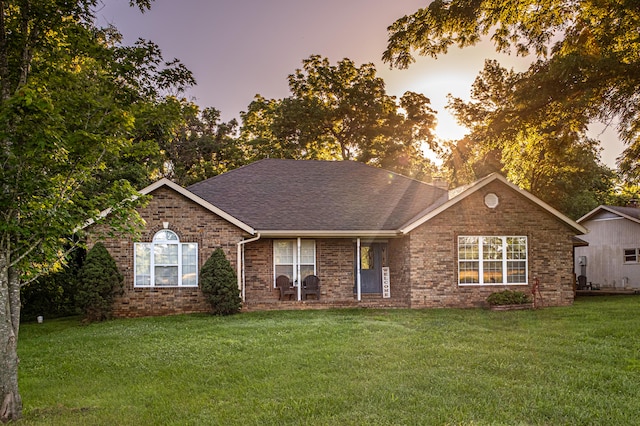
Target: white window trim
{"x": 152, "y": 263}
{"x": 296, "y": 279}
{"x": 504, "y": 261}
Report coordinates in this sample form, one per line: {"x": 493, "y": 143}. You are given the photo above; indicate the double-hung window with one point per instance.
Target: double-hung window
{"x": 166, "y": 262}
{"x": 492, "y": 260}
{"x": 295, "y": 264}
{"x": 631, "y": 255}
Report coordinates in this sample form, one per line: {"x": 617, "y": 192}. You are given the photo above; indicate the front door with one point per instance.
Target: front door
{"x": 373, "y": 256}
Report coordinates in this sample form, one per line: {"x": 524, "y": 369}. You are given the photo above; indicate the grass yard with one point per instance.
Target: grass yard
{"x": 556, "y": 366}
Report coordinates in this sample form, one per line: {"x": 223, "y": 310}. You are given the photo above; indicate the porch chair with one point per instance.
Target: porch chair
{"x": 311, "y": 285}
{"x": 284, "y": 285}
{"x": 582, "y": 283}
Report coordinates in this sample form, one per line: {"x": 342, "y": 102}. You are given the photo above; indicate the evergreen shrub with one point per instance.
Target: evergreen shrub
{"x": 99, "y": 282}
{"x": 53, "y": 295}
{"x": 218, "y": 282}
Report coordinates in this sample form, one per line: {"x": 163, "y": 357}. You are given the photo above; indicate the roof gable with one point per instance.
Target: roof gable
{"x": 458, "y": 194}
{"x": 195, "y": 198}
{"x": 630, "y": 213}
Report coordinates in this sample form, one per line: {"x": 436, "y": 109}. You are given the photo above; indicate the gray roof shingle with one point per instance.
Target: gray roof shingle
{"x": 274, "y": 194}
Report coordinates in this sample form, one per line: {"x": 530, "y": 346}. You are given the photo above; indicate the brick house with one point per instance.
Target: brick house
{"x": 374, "y": 239}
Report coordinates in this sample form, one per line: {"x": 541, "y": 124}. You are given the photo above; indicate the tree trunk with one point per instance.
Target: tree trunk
{"x": 10, "y": 401}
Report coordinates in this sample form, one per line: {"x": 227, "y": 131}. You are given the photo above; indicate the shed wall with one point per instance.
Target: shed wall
{"x": 608, "y": 237}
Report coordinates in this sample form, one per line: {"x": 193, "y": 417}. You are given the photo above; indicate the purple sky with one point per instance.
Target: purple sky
{"x": 239, "y": 48}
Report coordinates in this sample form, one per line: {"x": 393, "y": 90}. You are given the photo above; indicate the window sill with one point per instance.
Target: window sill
{"x": 491, "y": 284}
{"x": 163, "y": 286}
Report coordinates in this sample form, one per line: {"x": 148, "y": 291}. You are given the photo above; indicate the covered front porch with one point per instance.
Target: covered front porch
{"x": 353, "y": 272}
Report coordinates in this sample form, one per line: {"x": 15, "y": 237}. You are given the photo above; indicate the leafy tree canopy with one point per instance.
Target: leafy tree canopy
{"x": 549, "y": 158}
{"x": 341, "y": 112}
{"x": 72, "y": 99}
{"x": 201, "y": 146}
{"x": 588, "y": 52}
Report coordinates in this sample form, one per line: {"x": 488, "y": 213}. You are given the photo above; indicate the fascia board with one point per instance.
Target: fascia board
{"x": 593, "y": 212}
{"x": 481, "y": 184}
{"x": 305, "y": 233}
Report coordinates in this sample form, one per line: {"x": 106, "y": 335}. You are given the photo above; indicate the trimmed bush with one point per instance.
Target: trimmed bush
{"x": 219, "y": 284}
{"x": 53, "y": 295}
{"x": 99, "y": 281}
{"x": 508, "y": 297}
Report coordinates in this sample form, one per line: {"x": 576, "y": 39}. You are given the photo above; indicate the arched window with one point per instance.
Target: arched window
{"x": 166, "y": 262}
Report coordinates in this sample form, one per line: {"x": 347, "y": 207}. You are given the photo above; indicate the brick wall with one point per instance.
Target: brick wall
{"x": 433, "y": 250}
{"x": 192, "y": 223}
{"x": 423, "y": 264}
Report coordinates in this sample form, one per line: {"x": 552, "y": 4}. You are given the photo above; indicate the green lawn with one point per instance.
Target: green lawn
{"x": 555, "y": 366}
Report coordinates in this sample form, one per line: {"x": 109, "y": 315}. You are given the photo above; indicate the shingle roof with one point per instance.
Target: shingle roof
{"x": 274, "y": 194}
{"x": 633, "y": 212}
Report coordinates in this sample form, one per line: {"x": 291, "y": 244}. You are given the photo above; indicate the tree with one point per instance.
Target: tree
{"x": 548, "y": 158}
{"x": 588, "y": 54}
{"x": 341, "y": 112}
{"x": 100, "y": 282}
{"x": 202, "y": 146}
{"x": 219, "y": 284}
{"x": 69, "y": 99}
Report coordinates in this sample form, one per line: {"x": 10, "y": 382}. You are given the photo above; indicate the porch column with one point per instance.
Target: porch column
{"x": 297, "y": 266}
{"x": 358, "y": 278}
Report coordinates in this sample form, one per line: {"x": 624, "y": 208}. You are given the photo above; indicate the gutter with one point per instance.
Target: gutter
{"x": 275, "y": 233}
{"x": 240, "y": 264}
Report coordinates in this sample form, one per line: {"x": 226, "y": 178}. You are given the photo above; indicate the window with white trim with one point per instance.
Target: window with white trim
{"x": 492, "y": 260}
{"x": 631, "y": 255}
{"x": 287, "y": 261}
{"x": 166, "y": 262}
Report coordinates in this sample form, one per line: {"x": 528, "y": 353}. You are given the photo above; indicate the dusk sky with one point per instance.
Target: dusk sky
{"x": 239, "y": 48}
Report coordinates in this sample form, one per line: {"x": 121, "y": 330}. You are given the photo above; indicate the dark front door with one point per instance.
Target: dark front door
{"x": 372, "y": 259}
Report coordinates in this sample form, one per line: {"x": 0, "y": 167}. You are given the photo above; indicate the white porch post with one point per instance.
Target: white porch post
{"x": 358, "y": 277}
{"x": 297, "y": 266}
{"x": 239, "y": 269}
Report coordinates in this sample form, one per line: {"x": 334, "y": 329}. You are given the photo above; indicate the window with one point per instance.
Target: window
{"x": 166, "y": 262}
{"x": 287, "y": 261}
{"x": 492, "y": 260}
{"x": 631, "y": 255}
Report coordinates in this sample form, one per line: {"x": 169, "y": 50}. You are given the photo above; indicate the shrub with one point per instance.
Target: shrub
{"x": 53, "y": 295}
{"x": 99, "y": 281}
{"x": 508, "y": 297}
{"x": 219, "y": 284}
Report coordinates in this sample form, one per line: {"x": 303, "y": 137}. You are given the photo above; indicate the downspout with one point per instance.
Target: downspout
{"x": 358, "y": 277}
{"x": 240, "y": 264}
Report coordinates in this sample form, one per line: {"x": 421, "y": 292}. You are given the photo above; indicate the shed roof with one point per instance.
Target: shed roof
{"x": 631, "y": 213}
